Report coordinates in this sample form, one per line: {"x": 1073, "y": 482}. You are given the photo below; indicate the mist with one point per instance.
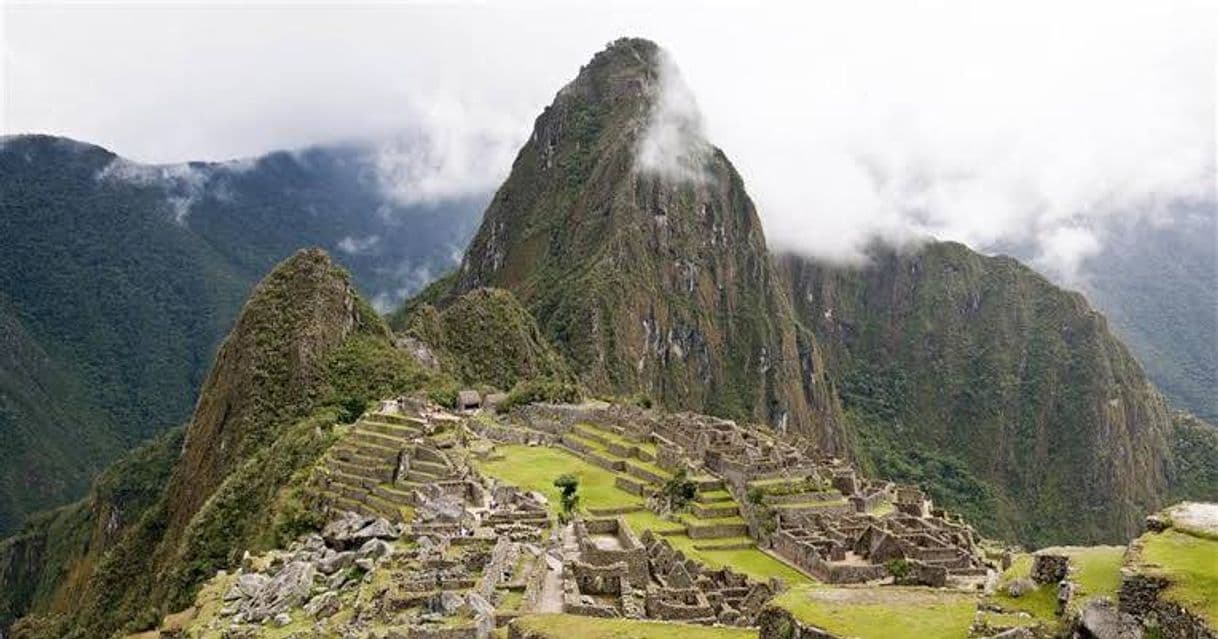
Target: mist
{"x": 1023, "y": 124}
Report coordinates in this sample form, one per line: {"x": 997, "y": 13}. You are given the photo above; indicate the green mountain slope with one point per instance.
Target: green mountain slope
{"x": 304, "y": 345}
{"x": 487, "y": 337}
{"x": 1156, "y": 284}
{"x": 120, "y": 279}
{"x": 987, "y": 366}
{"x": 647, "y": 281}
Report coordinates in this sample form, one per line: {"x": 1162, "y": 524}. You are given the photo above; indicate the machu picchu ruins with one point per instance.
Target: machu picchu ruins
{"x": 444, "y": 524}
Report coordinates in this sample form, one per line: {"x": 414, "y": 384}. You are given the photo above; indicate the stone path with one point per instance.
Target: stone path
{"x": 551, "y": 588}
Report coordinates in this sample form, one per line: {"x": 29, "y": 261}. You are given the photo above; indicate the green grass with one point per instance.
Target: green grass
{"x": 536, "y": 468}
{"x": 558, "y": 626}
{"x": 889, "y": 613}
{"x": 1191, "y": 563}
{"x": 618, "y": 439}
{"x": 1096, "y": 570}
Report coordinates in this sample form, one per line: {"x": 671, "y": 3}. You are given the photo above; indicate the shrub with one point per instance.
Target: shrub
{"x": 679, "y": 491}
{"x": 569, "y": 485}
{"x": 351, "y": 408}
{"x": 898, "y": 568}
{"x": 540, "y": 390}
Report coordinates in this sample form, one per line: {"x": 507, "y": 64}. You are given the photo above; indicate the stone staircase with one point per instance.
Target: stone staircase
{"x": 376, "y": 466}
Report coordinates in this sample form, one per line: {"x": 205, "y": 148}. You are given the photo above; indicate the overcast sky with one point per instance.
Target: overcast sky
{"x": 985, "y": 122}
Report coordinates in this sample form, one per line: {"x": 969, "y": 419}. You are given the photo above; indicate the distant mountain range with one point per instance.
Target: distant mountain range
{"x": 118, "y": 279}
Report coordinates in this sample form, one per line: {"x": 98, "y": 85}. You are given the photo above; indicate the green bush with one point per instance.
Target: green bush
{"x": 898, "y": 568}
{"x": 679, "y": 491}
{"x": 540, "y": 390}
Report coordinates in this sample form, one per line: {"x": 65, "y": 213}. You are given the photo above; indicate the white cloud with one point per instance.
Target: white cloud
{"x": 357, "y": 246}
{"x": 989, "y": 123}
{"x": 451, "y": 149}
{"x": 183, "y": 184}
{"x": 674, "y": 143}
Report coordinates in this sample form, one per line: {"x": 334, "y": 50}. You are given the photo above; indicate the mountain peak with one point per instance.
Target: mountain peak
{"x": 633, "y": 243}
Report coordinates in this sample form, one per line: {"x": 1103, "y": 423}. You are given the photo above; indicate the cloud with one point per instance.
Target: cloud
{"x": 674, "y": 143}
{"x": 1034, "y": 123}
{"x": 450, "y": 150}
{"x": 183, "y": 184}
{"x": 358, "y": 246}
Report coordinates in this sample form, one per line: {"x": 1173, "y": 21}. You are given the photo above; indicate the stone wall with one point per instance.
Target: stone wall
{"x": 631, "y": 553}
{"x": 776, "y": 623}
{"x": 1140, "y": 596}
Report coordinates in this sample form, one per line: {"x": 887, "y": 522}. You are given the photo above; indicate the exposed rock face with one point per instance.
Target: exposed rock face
{"x": 486, "y": 337}
{"x": 985, "y": 360}
{"x": 649, "y": 277}
{"x": 297, "y": 314}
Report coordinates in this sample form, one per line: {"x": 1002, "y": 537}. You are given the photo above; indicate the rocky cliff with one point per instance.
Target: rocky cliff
{"x": 633, "y": 242}
{"x": 942, "y": 350}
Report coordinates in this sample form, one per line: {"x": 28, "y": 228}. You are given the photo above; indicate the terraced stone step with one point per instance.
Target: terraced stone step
{"x": 715, "y": 528}
{"x": 824, "y": 507}
{"x": 394, "y": 418}
{"x": 362, "y": 456}
{"x": 440, "y": 470}
{"x": 396, "y": 495}
{"x": 715, "y": 510}
{"x": 375, "y": 474}
{"x": 714, "y": 496}
{"x": 398, "y": 431}
{"x": 377, "y": 438}
{"x": 345, "y": 503}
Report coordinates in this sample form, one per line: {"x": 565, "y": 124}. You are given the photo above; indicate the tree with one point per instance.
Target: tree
{"x": 679, "y": 491}
{"x": 569, "y": 485}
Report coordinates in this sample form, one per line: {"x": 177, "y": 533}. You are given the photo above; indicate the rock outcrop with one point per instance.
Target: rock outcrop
{"x": 635, "y": 245}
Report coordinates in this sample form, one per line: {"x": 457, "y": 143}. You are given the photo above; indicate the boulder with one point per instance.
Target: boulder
{"x": 1020, "y": 587}
{"x": 378, "y": 529}
{"x": 246, "y": 586}
{"x": 450, "y": 603}
{"x": 375, "y": 549}
{"x": 1015, "y": 633}
{"x": 479, "y": 604}
{"x": 339, "y": 532}
{"x": 291, "y": 587}
{"x": 335, "y": 561}
{"x": 324, "y": 605}
{"x": 1101, "y": 619}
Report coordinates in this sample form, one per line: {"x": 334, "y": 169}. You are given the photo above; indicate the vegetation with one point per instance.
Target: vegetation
{"x": 568, "y": 485}
{"x": 1095, "y": 569}
{"x": 304, "y": 346}
{"x": 540, "y": 390}
{"x": 1188, "y": 562}
{"x": 985, "y": 361}
{"x": 889, "y": 613}
{"x": 678, "y": 491}
{"x": 485, "y": 337}
{"x": 118, "y": 286}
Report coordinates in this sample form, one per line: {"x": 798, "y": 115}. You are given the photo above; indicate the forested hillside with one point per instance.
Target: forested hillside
{"x": 118, "y": 279}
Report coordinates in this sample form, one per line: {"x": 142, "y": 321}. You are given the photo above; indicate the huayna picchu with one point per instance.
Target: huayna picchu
{"x": 623, "y": 417}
